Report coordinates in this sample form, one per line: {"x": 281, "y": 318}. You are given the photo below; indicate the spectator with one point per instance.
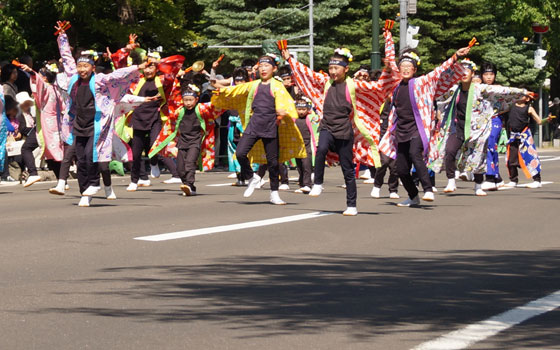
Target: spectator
{"x": 8, "y": 77}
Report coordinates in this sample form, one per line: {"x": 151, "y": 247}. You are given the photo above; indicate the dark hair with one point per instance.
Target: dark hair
{"x": 7, "y": 71}
{"x": 340, "y": 58}
{"x": 27, "y": 60}
{"x": 488, "y": 66}
{"x": 407, "y": 50}
{"x": 51, "y": 76}
{"x": 249, "y": 62}
{"x": 10, "y": 103}
{"x": 299, "y": 97}
{"x": 284, "y": 70}
{"x": 135, "y": 57}
{"x": 364, "y": 66}
{"x": 240, "y": 72}
{"x": 375, "y": 74}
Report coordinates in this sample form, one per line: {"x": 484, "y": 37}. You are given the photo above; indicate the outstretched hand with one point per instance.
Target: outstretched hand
{"x": 153, "y": 98}
{"x": 132, "y": 44}
{"x": 387, "y": 64}
{"x": 60, "y": 27}
{"x": 463, "y": 52}
{"x": 285, "y": 54}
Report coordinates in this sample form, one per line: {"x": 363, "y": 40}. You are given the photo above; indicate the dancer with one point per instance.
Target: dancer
{"x": 307, "y": 127}
{"x": 386, "y": 162}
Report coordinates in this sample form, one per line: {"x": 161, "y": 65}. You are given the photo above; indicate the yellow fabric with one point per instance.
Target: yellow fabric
{"x": 289, "y": 138}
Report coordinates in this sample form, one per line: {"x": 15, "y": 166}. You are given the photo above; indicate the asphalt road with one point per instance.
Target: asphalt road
{"x": 390, "y": 278}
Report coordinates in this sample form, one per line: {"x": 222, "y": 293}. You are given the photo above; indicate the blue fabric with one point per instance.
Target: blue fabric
{"x": 492, "y": 159}
{"x": 5, "y": 126}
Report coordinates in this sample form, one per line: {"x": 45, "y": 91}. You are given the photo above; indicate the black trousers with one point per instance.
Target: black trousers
{"x": 305, "y": 167}
{"x": 142, "y": 141}
{"x": 391, "y": 164}
{"x": 271, "y": 148}
{"x": 105, "y": 173}
{"x": 451, "y": 148}
{"x": 187, "y": 161}
{"x": 409, "y": 153}
{"x": 55, "y": 167}
{"x": 282, "y": 170}
{"x": 513, "y": 163}
{"x": 69, "y": 157}
{"x": 27, "y": 149}
{"x": 327, "y": 142}
{"x": 88, "y": 170}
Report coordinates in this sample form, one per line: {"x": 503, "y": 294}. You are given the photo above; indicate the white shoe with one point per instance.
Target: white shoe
{"x": 59, "y": 188}
{"x": 31, "y": 180}
{"x": 451, "y": 186}
{"x": 84, "y": 201}
{"x": 409, "y": 202}
{"x": 260, "y": 184}
{"x": 232, "y": 176}
{"x": 375, "y": 192}
{"x": 500, "y": 184}
{"x": 316, "y": 190}
{"x": 478, "y": 191}
{"x": 173, "y": 180}
{"x": 428, "y": 197}
{"x": 132, "y": 187}
{"x": 457, "y": 174}
{"x": 91, "y": 191}
{"x": 489, "y": 186}
{"x": 434, "y": 189}
{"x": 252, "y": 185}
{"x": 366, "y": 175}
{"x": 284, "y": 187}
{"x": 304, "y": 189}
{"x": 350, "y": 211}
{"x": 394, "y": 195}
{"x": 535, "y": 184}
{"x": 109, "y": 193}
{"x": 370, "y": 181}
{"x": 275, "y": 198}
{"x": 144, "y": 183}
{"x": 154, "y": 171}
{"x": 67, "y": 187}
{"x": 466, "y": 176}
{"x": 188, "y": 191}
{"x": 510, "y": 184}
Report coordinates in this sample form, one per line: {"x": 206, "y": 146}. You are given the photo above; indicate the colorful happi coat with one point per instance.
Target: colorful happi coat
{"x": 108, "y": 90}
{"x": 423, "y": 91}
{"x": 478, "y": 115}
{"x": 121, "y": 150}
{"x": 366, "y": 99}
{"x": 234, "y": 124}
{"x": 51, "y": 105}
{"x": 240, "y": 98}
{"x": 206, "y": 114}
{"x": 528, "y": 157}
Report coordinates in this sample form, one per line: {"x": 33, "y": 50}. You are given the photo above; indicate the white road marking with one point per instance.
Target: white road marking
{"x": 550, "y": 159}
{"x": 234, "y": 227}
{"x": 220, "y": 185}
{"x": 542, "y": 183}
{"x": 463, "y": 338}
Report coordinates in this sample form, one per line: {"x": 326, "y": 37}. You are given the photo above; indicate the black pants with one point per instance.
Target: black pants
{"x": 513, "y": 163}
{"x": 409, "y": 153}
{"x": 69, "y": 157}
{"x": 88, "y": 170}
{"x": 142, "y": 141}
{"x": 27, "y": 149}
{"x": 327, "y": 142}
{"x": 282, "y": 170}
{"x": 271, "y": 148}
{"x": 305, "y": 167}
{"x": 451, "y": 148}
{"x": 187, "y": 161}
{"x": 391, "y": 164}
{"x": 372, "y": 171}
{"x": 55, "y": 167}
{"x": 105, "y": 173}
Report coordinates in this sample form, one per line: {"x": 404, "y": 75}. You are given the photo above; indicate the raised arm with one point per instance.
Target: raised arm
{"x": 447, "y": 74}
{"x": 118, "y": 82}
{"x": 68, "y": 60}
{"x": 505, "y": 94}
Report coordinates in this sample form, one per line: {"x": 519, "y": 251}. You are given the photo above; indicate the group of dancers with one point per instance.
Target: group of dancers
{"x": 414, "y": 126}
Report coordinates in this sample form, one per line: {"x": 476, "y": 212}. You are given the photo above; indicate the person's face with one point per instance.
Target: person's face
{"x": 14, "y": 75}
{"x": 337, "y": 73}
{"x": 266, "y": 70}
{"x": 476, "y": 79}
{"x": 238, "y": 82}
{"x": 467, "y": 78}
{"x": 287, "y": 81}
{"x": 190, "y": 101}
{"x": 85, "y": 70}
{"x": 488, "y": 78}
{"x": 26, "y": 106}
{"x": 363, "y": 76}
{"x": 150, "y": 71}
{"x": 407, "y": 70}
{"x": 302, "y": 112}
{"x": 12, "y": 113}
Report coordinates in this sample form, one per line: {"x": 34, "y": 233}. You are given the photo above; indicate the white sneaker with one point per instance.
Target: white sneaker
{"x": 394, "y": 195}
{"x": 366, "y": 175}
{"x": 31, "y": 180}
{"x": 187, "y": 190}
{"x": 409, "y": 202}
{"x": 284, "y": 187}
{"x": 154, "y": 171}
{"x": 173, "y": 180}
{"x": 275, "y": 198}
{"x": 109, "y": 193}
{"x": 489, "y": 186}
{"x": 84, "y": 201}
{"x": 144, "y": 183}
{"x": 252, "y": 185}
{"x": 451, "y": 186}
{"x": 67, "y": 187}
{"x": 535, "y": 184}
{"x": 457, "y": 174}
{"x": 434, "y": 189}
{"x": 91, "y": 191}
{"x": 260, "y": 184}
{"x": 375, "y": 192}
{"x": 304, "y": 189}
{"x": 232, "y": 176}
{"x": 428, "y": 197}
{"x": 370, "y": 181}
{"x": 316, "y": 190}
{"x": 466, "y": 176}
{"x": 478, "y": 191}
{"x": 132, "y": 187}
{"x": 59, "y": 188}
{"x": 350, "y": 211}
{"x": 510, "y": 184}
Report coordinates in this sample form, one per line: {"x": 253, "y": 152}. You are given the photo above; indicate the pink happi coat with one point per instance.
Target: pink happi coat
{"x": 369, "y": 98}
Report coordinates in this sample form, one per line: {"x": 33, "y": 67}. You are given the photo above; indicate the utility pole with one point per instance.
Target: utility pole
{"x": 375, "y": 54}
{"x": 311, "y": 34}
{"x": 403, "y": 23}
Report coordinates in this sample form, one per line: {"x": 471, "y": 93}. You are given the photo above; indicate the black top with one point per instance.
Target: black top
{"x": 461, "y": 109}
{"x": 518, "y": 118}
{"x": 301, "y": 124}
{"x": 263, "y": 120}
{"x": 147, "y": 114}
{"x": 406, "y": 123}
{"x": 336, "y": 113}
{"x": 190, "y": 130}
{"x": 24, "y": 129}
{"x": 384, "y": 118}
{"x": 85, "y": 109}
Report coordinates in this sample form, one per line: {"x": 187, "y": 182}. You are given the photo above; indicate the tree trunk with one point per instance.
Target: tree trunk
{"x": 125, "y": 12}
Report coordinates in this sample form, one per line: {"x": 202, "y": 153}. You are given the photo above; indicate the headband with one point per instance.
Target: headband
{"x": 335, "y": 62}
{"x": 469, "y": 64}
{"x": 270, "y": 58}
{"x": 302, "y": 105}
{"x": 411, "y": 57}
{"x": 488, "y": 70}
{"x": 287, "y": 74}
{"x": 86, "y": 59}
{"x": 192, "y": 90}
{"x": 239, "y": 78}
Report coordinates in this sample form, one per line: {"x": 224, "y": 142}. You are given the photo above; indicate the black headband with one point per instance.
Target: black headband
{"x": 408, "y": 59}
{"x": 287, "y": 74}
{"x": 268, "y": 60}
{"x": 488, "y": 70}
{"x": 336, "y": 62}
{"x": 302, "y": 105}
